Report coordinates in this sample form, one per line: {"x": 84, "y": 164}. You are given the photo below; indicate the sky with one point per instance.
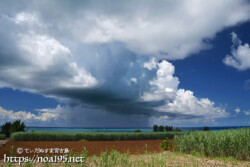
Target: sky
{"x": 125, "y": 63}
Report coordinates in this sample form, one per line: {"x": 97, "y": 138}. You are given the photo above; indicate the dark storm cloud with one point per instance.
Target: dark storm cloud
{"x": 111, "y": 102}
{"x": 118, "y": 104}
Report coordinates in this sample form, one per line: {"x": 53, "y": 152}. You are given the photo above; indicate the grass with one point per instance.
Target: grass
{"x": 167, "y": 144}
{"x": 162, "y": 159}
{"x": 2, "y": 136}
{"x": 83, "y": 140}
{"x": 93, "y": 136}
{"x": 228, "y": 143}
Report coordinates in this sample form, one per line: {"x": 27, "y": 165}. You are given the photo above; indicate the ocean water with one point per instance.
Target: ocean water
{"x": 146, "y": 129}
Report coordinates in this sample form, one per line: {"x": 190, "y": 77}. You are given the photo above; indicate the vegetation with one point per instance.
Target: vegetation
{"x": 9, "y": 127}
{"x": 83, "y": 140}
{"x": 115, "y": 158}
{"x": 161, "y": 129}
{"x": 228, "y": 143}
{"x": 155, "y": 128}
{"x": 2, "y": 136}
{"x": 162, "y": 159}
{"x": 137, "y": 130}
{"x": 166, "y": 144}
{"x": 6, "y": 129}
{"x": 226, "y": 146}
{"x": 206, "y": 128}
{"x": 91, "y": 136}
{"x": 177, "y": 130}
{"x": 169, "y": 128}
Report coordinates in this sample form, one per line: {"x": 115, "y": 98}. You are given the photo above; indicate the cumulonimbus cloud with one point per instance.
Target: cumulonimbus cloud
{"x": 178, "y": 101}
{"x": 90, "y": 53}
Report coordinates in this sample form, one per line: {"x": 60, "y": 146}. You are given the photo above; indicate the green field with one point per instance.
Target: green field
{"x": 92, "y": 136}
{"x": 228, "y": 143}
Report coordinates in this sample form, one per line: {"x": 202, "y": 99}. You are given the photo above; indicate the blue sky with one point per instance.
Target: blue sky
{"x": 126, "y": 63}
{"x": 211, "y": 78}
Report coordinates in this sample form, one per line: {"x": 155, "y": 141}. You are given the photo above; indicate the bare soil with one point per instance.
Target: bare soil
{"x": 93, "y": 147}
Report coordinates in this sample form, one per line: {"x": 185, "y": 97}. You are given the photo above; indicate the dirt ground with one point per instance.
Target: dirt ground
{"x": 93, "y": 147}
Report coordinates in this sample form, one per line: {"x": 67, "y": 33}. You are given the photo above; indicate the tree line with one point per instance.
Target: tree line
{"x": 16, "y": 126}
{"x": 161, "y": 128}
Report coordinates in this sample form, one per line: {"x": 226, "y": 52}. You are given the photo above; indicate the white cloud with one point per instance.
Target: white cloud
{"x": 178, "y": 101}
{"x": 134, "y": 80}
{"x": 247, "y": 112}
{"x": 151, "y": 64}
{"x": 186, "y": 103}
{"x": 43, "y": 62}
{"x": 165, "y": 77}
{"x": 9, "y": 115}
{"x": 165, "y": 29}
{"x": 28, "y": 19}
{"x": 237, "y": 110}
{"x": 164, "y": 85}
{"x": 240, "y": 54}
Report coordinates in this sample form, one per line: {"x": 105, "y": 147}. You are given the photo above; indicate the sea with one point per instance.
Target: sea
{"x": 144, "y": 129}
